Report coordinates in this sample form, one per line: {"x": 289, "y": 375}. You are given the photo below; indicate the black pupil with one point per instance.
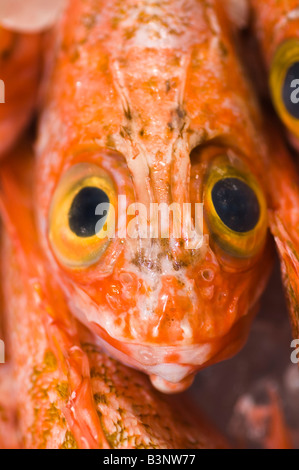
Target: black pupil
{"x": 236, "y": 204}
{"x": 82, "y": 217}
{"x": 290, "y": 91}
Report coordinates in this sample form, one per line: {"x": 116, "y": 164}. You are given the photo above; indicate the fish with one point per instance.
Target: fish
{"x": 150, "y": 102}
{"x": 58, "y": 389}
{"x": 275, "y": 28}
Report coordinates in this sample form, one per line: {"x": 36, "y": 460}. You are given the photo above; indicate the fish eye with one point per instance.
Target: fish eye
{"x": 81, "y": 214}
{"x": 284, "y": 84}
{"x": 236, "y": 204}
{"x": 235, "y": 209}
{"x": 82, "y": 217}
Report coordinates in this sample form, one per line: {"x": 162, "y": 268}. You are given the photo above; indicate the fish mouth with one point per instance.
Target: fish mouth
{"x": 168, "y": 359}
{"x": 172, "y": 368}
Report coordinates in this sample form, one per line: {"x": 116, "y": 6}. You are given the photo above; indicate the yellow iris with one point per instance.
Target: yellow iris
{"x": 238, "y": 226}
{"x": 284, "y": 85}
{"x": 76, "y": 237}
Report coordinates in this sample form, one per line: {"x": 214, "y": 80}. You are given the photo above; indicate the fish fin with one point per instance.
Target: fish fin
{"x": 283, "y": 192}
{"x": 289, "y": 263}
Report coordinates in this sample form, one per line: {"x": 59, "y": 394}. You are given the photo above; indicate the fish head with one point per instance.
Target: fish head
{"x": 152, "y": 210}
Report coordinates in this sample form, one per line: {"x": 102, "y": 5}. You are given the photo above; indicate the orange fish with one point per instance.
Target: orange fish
{"x": 276, "y": 26}
{"x": 150, "y": 102}
{"x": 58, "y": 389}
{"x": 147, "y": 102}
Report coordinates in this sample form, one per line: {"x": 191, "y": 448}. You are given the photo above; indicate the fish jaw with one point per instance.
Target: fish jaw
{"x": 172, "y": 368}
{"x": 169, "y": 325}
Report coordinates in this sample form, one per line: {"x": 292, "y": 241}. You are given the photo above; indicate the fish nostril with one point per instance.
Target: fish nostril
{"x": 208, "y": 275}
